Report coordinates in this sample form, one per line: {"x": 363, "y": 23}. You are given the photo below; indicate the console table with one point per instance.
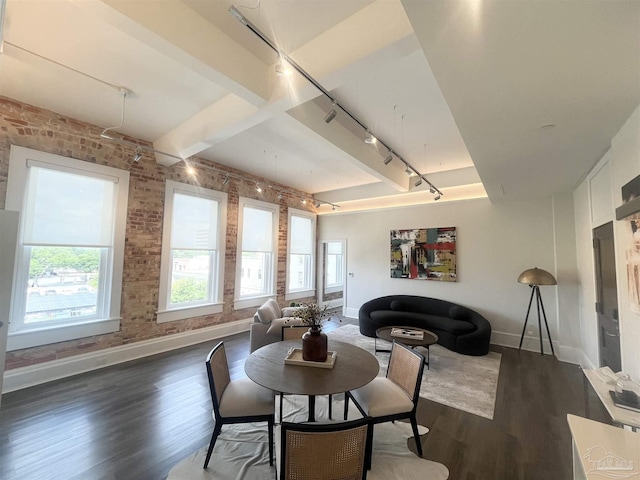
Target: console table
{"x": 601, "y": 451}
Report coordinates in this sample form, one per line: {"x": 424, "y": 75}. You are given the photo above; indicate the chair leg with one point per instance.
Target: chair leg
{"x": 281, "y": 397}
{"x": 270, "y": 423}
{"x": 369, "y": 447}
{"x": 414, "y": 427}
{"x": 330, "y": 406}
{"x": 214, "y": 437}
{"x": 346, "y": 405}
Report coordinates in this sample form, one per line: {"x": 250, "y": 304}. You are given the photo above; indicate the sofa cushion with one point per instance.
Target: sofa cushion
{"x": 422, "y": 320}
{"x": 446, "y": 324}
{"x": 459, "y": 312}
{"x": 290, "y": 311}
{"x": 276, "y": 326}
{"x": 269, "y": 311}
{"x": 400, "y": 306}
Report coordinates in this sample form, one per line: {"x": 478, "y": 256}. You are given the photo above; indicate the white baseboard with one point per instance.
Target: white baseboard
{"x": 585, "y": 361}
{"x": 532, "y": 344}
{"x": 351, "y": 312}
{"x": 31, "y": 375}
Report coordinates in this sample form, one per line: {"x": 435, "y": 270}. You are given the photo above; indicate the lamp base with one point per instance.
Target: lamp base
{"x": 535, "y": 291}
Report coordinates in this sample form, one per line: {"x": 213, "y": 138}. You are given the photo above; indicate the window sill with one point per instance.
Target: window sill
{"x": 46, "y": 336}
{"x": 339, "y": 288}
{"x": 297, "y": 295}
{"x": 239, "y": 304}
{"x": 165, "y": 316}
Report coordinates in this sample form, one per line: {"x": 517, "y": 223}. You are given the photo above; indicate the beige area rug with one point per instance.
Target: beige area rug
{"x": 242, "y": 452}
{"x": 459, "y": 381}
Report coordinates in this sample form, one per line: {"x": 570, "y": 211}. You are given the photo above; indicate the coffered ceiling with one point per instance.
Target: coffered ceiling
{"x": 507, "y": 98}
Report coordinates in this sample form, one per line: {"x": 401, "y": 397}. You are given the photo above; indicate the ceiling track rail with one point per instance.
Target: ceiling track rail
{"x": 283, "y": 56}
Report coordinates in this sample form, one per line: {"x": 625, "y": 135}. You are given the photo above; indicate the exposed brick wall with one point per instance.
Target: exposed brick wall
{"x": 43, "y": 130}
{"x": 331, "y": 296}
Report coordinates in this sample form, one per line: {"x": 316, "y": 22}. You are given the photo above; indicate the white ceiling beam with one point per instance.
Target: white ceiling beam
{"x": 221, "y": 120}
{"x": 363, "y": 155}
{"x": 177, "y": 31}
{"x": 256, "y": 94}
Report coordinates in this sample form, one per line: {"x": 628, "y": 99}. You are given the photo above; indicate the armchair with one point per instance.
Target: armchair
{"x": 268, "y": 322}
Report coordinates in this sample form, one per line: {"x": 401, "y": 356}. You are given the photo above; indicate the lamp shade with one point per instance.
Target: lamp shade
{"x": 537, "y": 276}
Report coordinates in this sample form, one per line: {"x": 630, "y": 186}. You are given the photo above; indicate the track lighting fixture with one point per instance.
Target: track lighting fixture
{"x": 258, "y": 188}
{"x": 436, "y": 198}
{"x": 283, "y": 69}
{"x": 370, "y": 139}
{"x": 280, "y": 196}
{"x": 137, "y": 156}
{"x": 303, "y": 201}
{"x": 408, "y": 171}
{"x": 432, "y": 189}
{"x": 331, "y": 114}
{"x": 316, "y": 204}
{"x": 418, "y": 182}
{"x": 389, "y": 158}
{"x": 333, "y": 207}
{"x": 225, "y": 180}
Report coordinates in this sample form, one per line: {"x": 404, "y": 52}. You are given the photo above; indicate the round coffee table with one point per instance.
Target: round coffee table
{"x": 428, "y": 339}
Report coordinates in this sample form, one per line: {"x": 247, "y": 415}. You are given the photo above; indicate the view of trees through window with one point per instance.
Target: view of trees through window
{"x": 190, "y": 276}
{"x": 62, "y": 283}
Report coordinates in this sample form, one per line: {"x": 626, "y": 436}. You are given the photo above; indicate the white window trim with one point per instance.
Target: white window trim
{"x": 164, "y": 313}
{"x": 16, "y": 189}
{"x": 297, "y": 294}
{"x": 255, "y": 301}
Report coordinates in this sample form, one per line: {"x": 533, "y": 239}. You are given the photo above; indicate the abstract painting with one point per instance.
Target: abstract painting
{"x": 424, "y": 254}
{"x": 630, "y": 191}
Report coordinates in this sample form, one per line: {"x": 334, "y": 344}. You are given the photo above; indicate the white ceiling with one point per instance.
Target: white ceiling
{"x": 460, "y": 89}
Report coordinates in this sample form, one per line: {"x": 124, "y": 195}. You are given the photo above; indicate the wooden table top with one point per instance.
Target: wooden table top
{"x": 429, "y": 338}
{"x": 354, "y": 367}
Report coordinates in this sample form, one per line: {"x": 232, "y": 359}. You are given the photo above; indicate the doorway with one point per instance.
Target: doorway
{"x": 331, "y": 273}
{"x": 607, "y": 297}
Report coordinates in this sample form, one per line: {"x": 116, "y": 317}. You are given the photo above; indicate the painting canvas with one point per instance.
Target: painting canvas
{"x": 630, "y": 191}
{"x": 424, "y": 254}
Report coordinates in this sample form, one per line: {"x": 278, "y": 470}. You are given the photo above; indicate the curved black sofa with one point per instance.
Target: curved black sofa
{"x": 459, "y": 328}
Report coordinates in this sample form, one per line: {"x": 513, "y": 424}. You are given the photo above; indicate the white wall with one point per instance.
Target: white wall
{"x": 495, "y": 243}
{"x": 586, "y": 278}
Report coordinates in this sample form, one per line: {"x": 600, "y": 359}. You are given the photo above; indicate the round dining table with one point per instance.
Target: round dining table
{"x": 353, "y": 368}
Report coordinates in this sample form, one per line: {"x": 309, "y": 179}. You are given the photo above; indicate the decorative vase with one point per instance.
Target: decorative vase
{"x": 314, "y": 345}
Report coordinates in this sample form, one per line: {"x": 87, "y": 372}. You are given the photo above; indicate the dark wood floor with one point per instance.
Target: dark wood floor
{"x": 137, "y": 420}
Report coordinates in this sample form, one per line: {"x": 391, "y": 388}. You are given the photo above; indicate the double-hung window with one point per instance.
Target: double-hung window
{"x": 68, "y": 278}
{"x": 301, "y": 257}
{"x": 192, "y": 265}
{"x": 257, "y": 252}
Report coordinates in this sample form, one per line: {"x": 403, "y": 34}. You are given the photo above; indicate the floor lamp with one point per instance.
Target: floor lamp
{"x": 535, "y": 277}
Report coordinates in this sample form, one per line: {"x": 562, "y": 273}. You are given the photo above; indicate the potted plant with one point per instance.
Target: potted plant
{"x": 314, "y": 341}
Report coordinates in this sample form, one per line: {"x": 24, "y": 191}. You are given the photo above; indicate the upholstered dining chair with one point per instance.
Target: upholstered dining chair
{"x": 393, "y": 397}
{"x": 236, "y": 401}
{"x": 295, "y": 332}
{"x": 334, "y": 451}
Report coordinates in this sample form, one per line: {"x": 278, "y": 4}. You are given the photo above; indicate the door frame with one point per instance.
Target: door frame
{"x": 320, "y": 271}
{"x": 598, "y": 288}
